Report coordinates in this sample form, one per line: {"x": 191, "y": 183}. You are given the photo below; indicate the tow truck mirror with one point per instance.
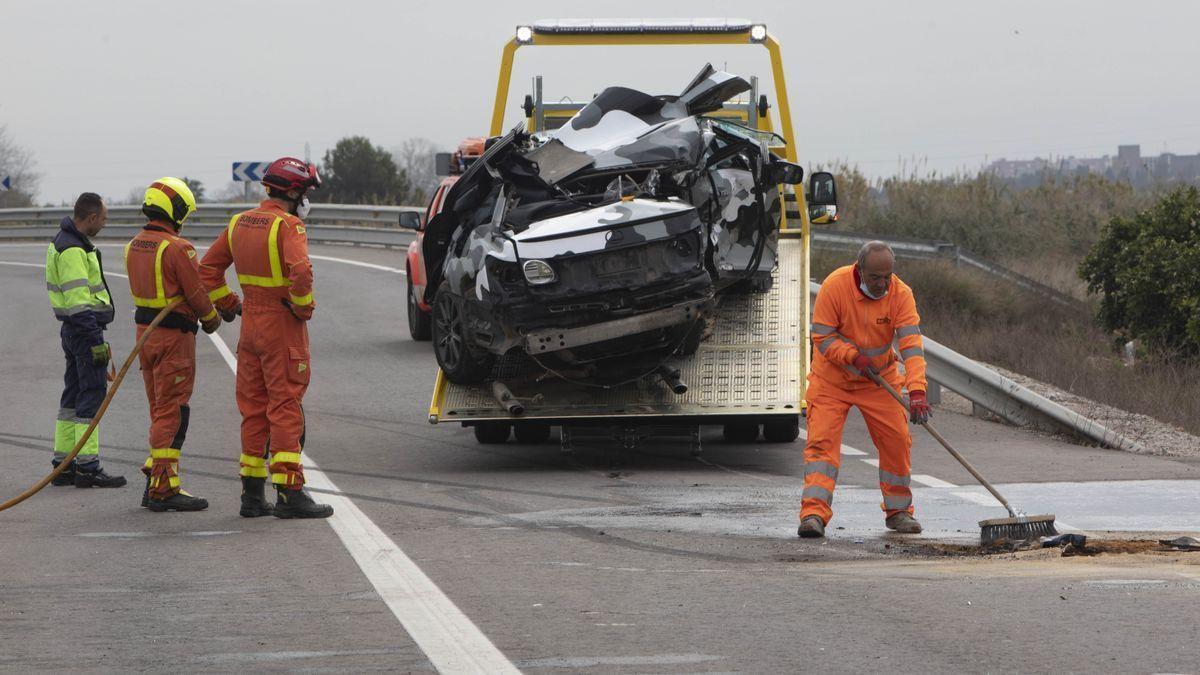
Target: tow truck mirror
{"x": 822, "y": 190}
{"x": 410, "y": 220}
{"x": 786, "y": 173}
{"x": 822, "y": 198}
{"x": 441, "y": 163}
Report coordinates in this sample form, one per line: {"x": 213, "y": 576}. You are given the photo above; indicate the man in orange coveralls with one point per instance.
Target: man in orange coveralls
{"x": 859, "y": 311}
{"x": 268, "y": 249}
{"x": 162, "y": 268}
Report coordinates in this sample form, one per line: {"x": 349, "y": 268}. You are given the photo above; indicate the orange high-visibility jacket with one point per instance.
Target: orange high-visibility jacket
{"x": 269, "y": 250}
{"x": 162, "y": 267}
{"x": 847, "y": 322}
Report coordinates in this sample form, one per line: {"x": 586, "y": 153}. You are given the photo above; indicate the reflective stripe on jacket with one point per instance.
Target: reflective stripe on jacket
{"x": 76, "y": 285}
{"x": 162, "y": 267}
{"x": 846, "y": 322}
{"x": 268, "y": 249}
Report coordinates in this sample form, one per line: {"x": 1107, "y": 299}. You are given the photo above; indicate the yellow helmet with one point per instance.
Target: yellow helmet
{"x": 170, "y": 199}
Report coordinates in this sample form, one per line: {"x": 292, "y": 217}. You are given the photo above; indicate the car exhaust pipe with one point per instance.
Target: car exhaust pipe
{"x": 505, "y": 397}
{"x": 670, "y": 377}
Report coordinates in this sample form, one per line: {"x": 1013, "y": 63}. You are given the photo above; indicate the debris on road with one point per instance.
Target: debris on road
{"x": 1181, "y": 544}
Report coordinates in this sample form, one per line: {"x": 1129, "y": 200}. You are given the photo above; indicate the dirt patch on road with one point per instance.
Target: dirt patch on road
{"x": 1019, "y": 551}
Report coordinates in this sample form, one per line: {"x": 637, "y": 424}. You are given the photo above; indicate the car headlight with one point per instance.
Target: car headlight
{"x": 538, "y": 272}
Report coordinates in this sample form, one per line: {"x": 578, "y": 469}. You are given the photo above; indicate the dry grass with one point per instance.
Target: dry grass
{"x": 999, "y": 324}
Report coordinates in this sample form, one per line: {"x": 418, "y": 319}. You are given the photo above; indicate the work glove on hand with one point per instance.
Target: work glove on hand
{"x": 101, "y": 354}
{"x": 211, "y": 325}
{"x": 302, "y": 313}
{"x": 918, "y": 408}
{"x": 228, "y": 315}
{"x": 863, "y": 364}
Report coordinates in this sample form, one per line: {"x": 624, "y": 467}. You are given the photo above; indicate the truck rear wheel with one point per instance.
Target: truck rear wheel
{"x": 461, "y": 361}
{"x": 741, "y": 432}
{"x": 419, "y": 322}
{"x": 781, "y": 431}
{"x": 531, "y": 433}
{"x": 492, "y": 433}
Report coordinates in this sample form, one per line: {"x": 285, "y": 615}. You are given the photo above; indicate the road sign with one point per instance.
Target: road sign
{"x": 249, "y": 172}
{"x": 6, "y": 183}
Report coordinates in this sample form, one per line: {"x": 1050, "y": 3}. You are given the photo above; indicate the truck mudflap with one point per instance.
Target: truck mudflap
{"x": 750, "y": 366}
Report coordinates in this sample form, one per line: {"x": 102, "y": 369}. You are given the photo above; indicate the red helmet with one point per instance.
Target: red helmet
{"x": 289, "y": 173}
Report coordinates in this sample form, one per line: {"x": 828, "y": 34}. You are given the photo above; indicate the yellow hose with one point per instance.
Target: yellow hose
{"x": 137, "y": 348}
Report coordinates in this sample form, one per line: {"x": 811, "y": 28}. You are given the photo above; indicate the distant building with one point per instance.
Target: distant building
{"x": 1128, "y": 164}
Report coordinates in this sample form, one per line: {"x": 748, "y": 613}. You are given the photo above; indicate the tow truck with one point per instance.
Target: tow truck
{"x": 749, "y": 374}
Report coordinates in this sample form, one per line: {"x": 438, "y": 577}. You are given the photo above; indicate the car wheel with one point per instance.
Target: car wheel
{"x": 781, "y": 431}
{"x": 492, "y": 433}
{"x": 461, "y": 361}
{"x": 741, "y": 432}
{"x": 531, "y": 433}
{"x": 419, "y": 323}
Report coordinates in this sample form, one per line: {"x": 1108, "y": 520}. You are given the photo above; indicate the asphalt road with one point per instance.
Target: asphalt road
{"x": 446, "y": 554}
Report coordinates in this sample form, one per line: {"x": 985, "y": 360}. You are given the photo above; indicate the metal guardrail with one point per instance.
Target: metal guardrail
{"x": 1009, "y": 400}
{"x": 131, "y": 214}
{"x": 924, "y": 249}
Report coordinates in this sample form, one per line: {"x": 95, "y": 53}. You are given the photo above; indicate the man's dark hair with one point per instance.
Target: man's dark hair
{"x": 88, "y": 204}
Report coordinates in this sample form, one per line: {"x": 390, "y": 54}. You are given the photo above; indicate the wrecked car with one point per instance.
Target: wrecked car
{"x": 597, "y": 249}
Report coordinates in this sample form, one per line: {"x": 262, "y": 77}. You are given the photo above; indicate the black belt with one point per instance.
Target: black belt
{"x": 144, "y": 315}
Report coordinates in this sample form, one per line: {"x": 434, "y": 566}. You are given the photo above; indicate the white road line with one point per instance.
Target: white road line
{"x": 450, "y": 640}
{"x": 373, "y": 266}
{"x": 931, "y": 481}
{"x": 872, "y": 462}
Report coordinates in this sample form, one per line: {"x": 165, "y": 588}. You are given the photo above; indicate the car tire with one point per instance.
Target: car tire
{"x": 492, "y": 433}
{"x": 741, "y": 432}
{"x": 531, "y": 433}
{"x": 461, "y": 361}
{"x": 781, "y": 431}
{"x": 420, "y": 323}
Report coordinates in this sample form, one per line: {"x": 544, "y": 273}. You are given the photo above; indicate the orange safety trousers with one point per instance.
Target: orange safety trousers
{"x": 887, "y": 423}
{"x": 273, "y": 371}
{"x": 168, "y": 362}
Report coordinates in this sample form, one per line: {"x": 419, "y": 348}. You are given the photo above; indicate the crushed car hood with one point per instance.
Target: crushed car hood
{"x": 610, "y": 226}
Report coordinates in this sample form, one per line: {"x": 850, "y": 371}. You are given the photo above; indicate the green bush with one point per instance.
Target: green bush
{"x": 1145, "y": 269}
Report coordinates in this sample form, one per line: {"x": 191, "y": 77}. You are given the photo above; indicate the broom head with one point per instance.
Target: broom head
{"x": 1021, "y": 528}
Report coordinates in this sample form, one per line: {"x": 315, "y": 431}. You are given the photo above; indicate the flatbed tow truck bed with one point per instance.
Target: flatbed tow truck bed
{"x": 747, "y": 371}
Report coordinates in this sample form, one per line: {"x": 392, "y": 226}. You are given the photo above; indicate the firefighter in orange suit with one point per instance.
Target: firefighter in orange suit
{"x": 860, "y": 310}
{"x": 162, "y": 267}
{"x": 269, "y": 251}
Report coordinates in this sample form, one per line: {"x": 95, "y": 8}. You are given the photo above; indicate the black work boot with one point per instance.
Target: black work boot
{"x": 97, "y": 477}
{"x": 180, "y": 501}
{"x": 146, "y": 493}
{"x": 811, "y": 527}
{"x": 298, "y": 504}
{"x": 67, "y": 477}
{"x": 254, "y": 498}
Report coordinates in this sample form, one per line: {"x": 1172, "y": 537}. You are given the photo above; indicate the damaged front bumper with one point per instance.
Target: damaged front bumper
{"x": 552, "y": 340}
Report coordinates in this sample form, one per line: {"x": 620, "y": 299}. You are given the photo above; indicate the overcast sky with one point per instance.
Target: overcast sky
{"x": 111, "y": 95}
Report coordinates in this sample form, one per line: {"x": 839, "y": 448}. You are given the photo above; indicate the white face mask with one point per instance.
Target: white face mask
{"x": 866, "y": 291}
{"x": 303, "y": 208}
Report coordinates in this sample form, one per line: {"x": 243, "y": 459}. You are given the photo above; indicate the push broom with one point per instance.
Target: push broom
{"x": 1018, "y": 526}
{"x": 112, "y": 391}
